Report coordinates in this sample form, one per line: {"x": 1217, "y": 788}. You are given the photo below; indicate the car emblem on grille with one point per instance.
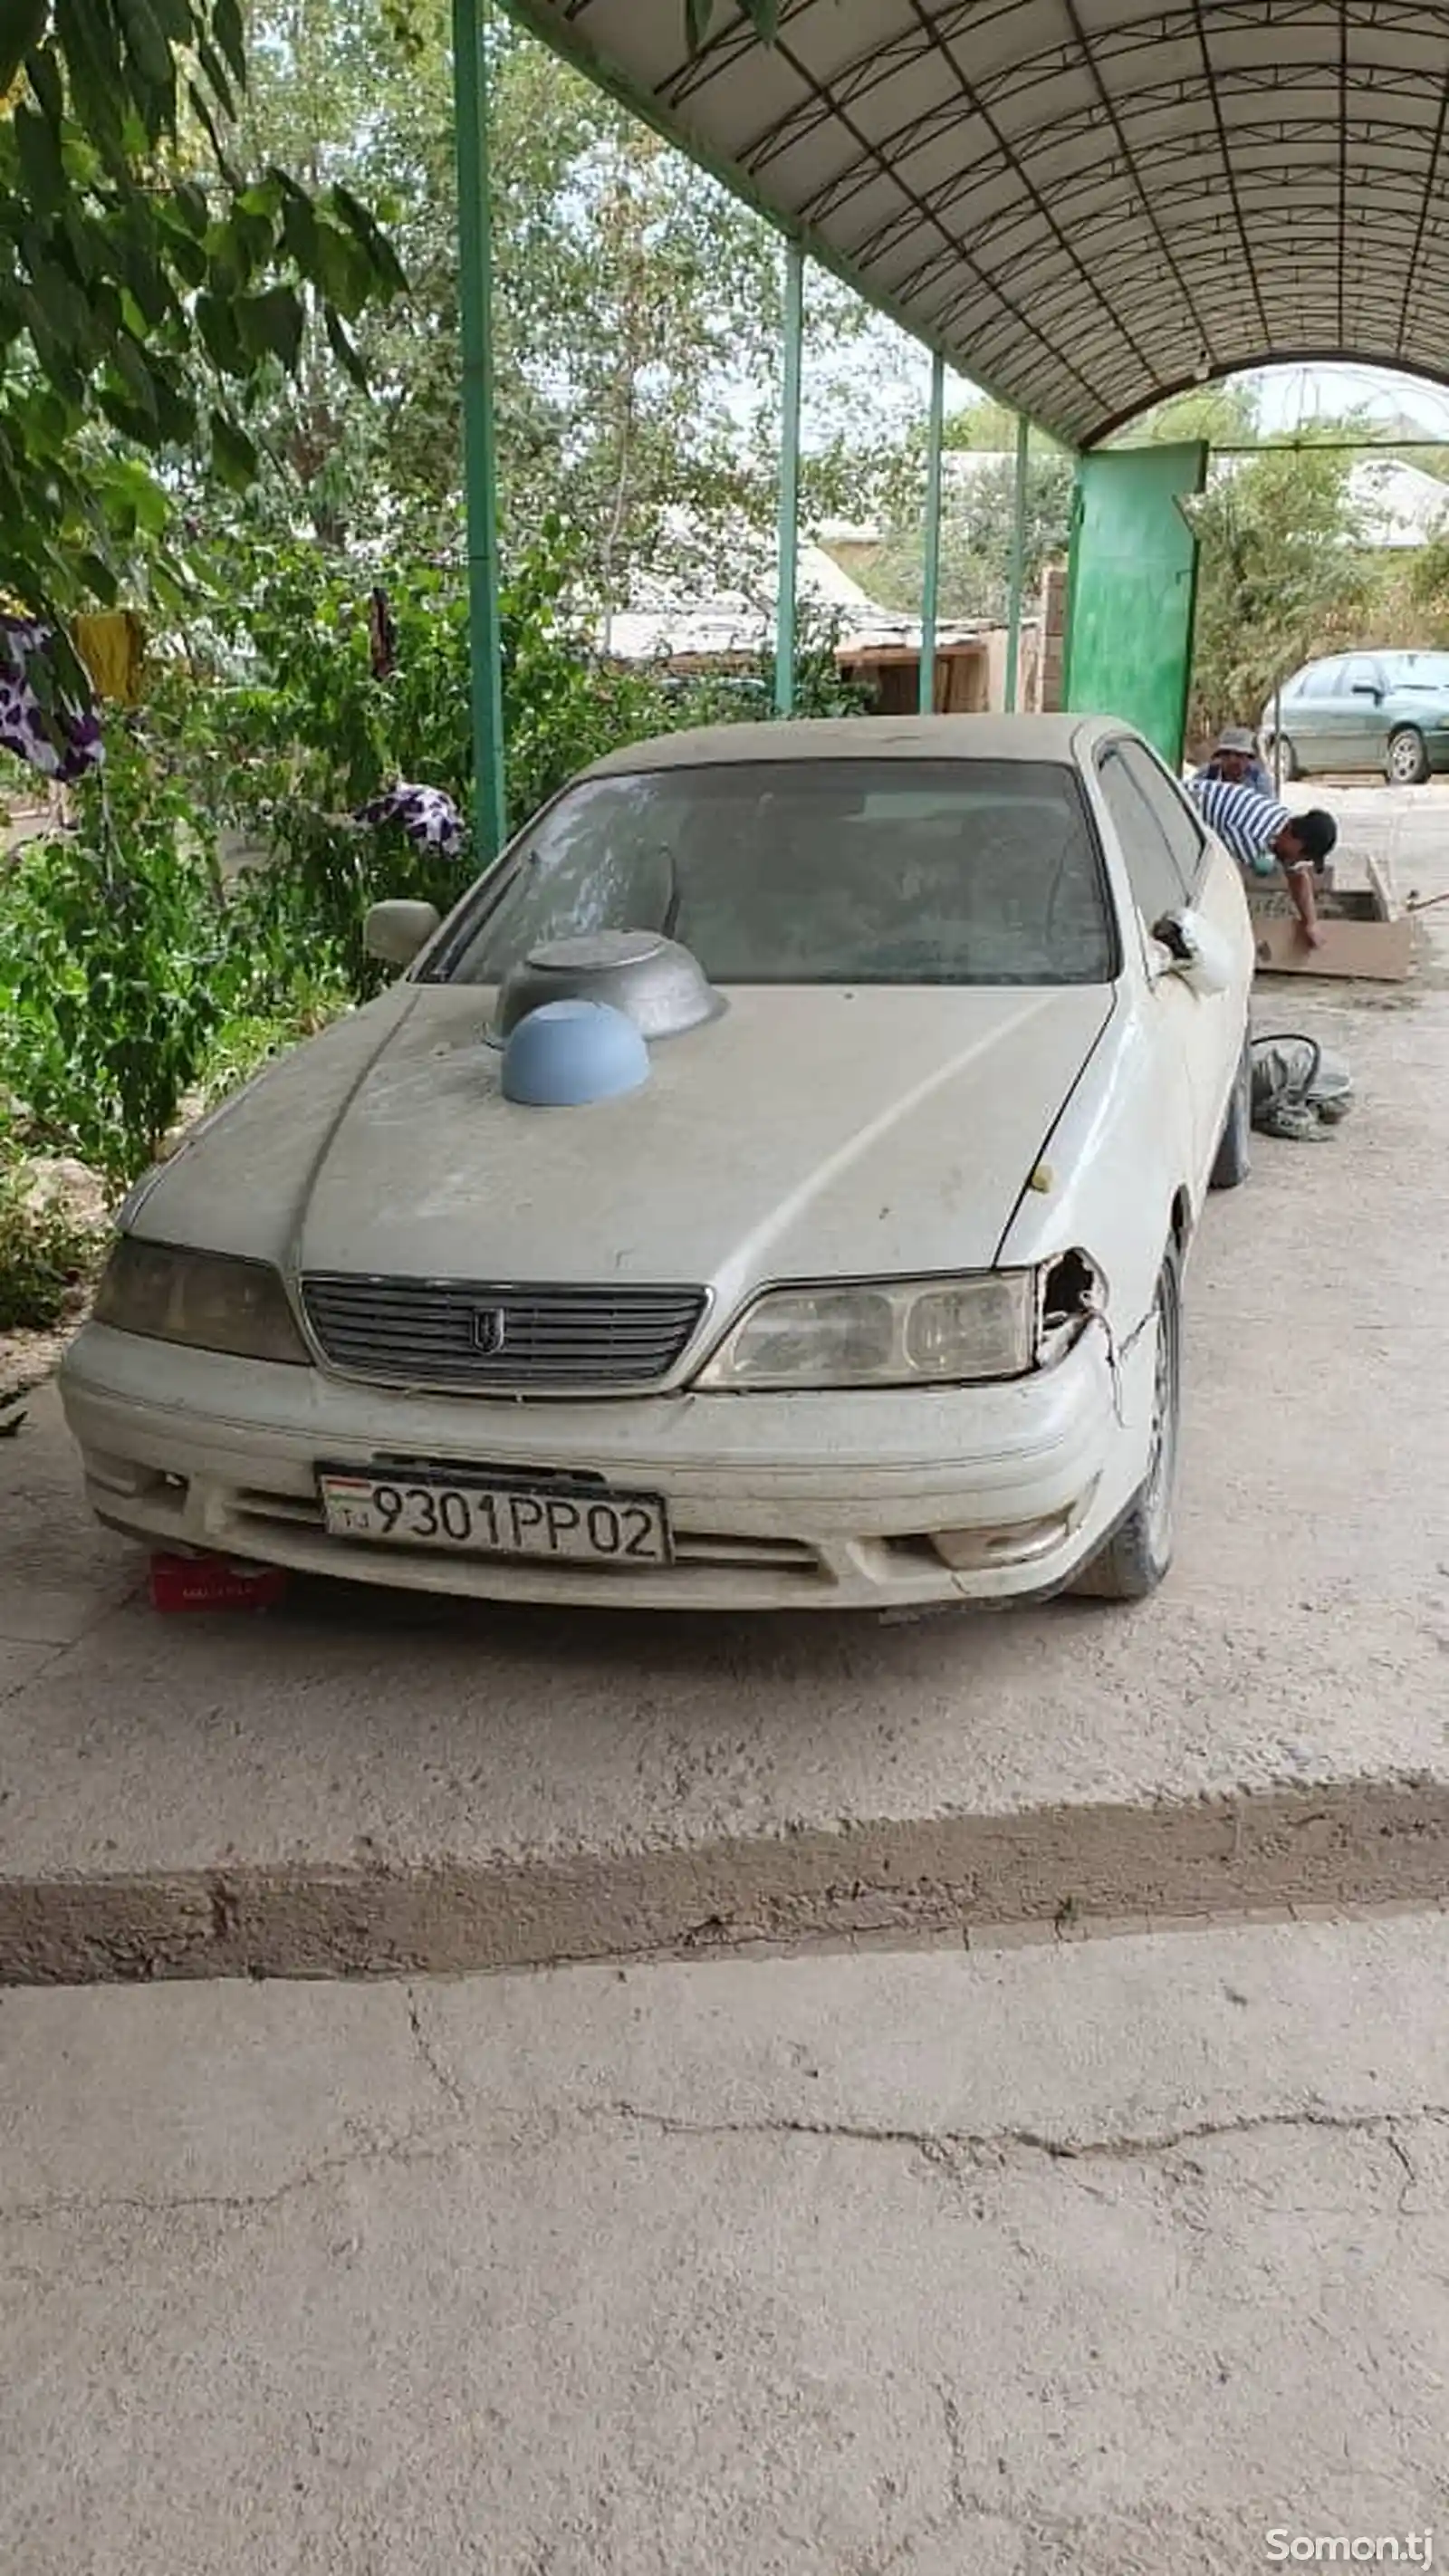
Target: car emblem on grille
{"x": 490, "y": 1330}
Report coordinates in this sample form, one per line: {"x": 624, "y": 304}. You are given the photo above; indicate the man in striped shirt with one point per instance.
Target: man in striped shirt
{"x": 1262, "y": 835}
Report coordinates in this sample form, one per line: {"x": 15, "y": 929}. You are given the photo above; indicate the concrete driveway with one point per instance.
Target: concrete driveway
{"x": 967, "y": 2244}
{"x": 359, "y": 1783}
{"x": 1105, "y": 2259}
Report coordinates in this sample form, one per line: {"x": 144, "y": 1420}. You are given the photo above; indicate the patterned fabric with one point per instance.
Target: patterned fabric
{"x": 63, "y": 743}
{"x": 426, "y": 815}
{"x": 1246, "y": 824}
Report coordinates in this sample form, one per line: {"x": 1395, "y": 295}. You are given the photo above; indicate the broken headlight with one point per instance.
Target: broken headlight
{"x": 908, "y": 1332}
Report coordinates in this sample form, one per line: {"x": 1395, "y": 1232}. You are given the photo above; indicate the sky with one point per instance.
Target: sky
{"x": 1291, "y": 395}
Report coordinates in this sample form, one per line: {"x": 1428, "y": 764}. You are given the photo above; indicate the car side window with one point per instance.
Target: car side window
{"x": 1322, "y": 682}
{"x": 1178, "y": 820}
{"x": 1363, "y": 675}
{"x": 1153, "y": 872}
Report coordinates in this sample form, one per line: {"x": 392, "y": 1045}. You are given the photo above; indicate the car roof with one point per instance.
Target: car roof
{"x": 983, "y": 737}
{"x": 1375, "y": 653}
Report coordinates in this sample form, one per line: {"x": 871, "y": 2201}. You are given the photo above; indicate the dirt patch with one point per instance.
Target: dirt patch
{"x": 27, "y": 1359}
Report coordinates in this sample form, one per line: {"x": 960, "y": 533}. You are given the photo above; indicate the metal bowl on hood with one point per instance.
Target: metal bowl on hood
{"x": 654, "y": 981}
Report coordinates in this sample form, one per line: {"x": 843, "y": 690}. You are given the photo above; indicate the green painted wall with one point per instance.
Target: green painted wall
{"x": 1132, "y": 590}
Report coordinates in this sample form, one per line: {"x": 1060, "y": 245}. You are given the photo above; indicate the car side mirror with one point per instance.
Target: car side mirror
{"x": 1366, "y": 689}
{"x": 396, "y": 932}
{"x": 1193, "y": 952}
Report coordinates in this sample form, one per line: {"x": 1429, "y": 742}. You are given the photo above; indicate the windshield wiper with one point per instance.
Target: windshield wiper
{"x": 670, "y": 922}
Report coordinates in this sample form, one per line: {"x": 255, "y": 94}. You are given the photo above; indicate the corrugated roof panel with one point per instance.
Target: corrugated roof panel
{"x": 1088, "y": 202}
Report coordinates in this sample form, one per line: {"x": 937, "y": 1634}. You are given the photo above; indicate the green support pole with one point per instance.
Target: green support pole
{"x": 475, "y": 292}
{"x": 1018, "y": 552}
{"x": 931, "y": 568}
{"x": 787, "y": 546}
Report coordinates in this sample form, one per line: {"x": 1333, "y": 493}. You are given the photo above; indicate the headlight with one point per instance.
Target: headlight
{"x": 887, "y": 1332}
{"x": 205, "y": 1299}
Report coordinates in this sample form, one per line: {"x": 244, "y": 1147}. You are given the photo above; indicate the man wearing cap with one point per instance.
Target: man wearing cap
{"x": 1262, "y": 835}
{"x": 1235, "y": 759}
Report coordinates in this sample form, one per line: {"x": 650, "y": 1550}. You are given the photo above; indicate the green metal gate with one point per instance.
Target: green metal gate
{"x": 1132, "y": 590}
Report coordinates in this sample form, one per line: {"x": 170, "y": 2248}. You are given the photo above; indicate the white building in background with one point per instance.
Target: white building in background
{"x": 1401, "y": 506}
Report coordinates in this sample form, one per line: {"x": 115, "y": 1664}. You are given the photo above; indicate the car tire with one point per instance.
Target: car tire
{"x": 1139, "y": 1551}
{"x": 1288, "y": 767}
{"x": 1408, "y": 761}
{"x": 1234, "y": 1159}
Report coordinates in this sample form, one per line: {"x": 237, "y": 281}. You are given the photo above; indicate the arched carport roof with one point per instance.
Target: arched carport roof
{"x": 1085, "y": 204}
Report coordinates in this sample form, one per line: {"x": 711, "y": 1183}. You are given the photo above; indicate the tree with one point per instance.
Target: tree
{"x": 983, "y": 424}
{"x": 977, "y": 528}
{"x": 1281, "y": 577}
{"x": 1223, "y": 415}
{"x": 1428, "y": 591}
{"x": 143, "y": 299}
{"x": 637, "y": 313}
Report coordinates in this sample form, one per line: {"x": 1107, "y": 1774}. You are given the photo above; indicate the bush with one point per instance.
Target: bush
{"x": 46, "y": 1254}
{"x": 113, "y": 965}
{"x": 314, "y": 732}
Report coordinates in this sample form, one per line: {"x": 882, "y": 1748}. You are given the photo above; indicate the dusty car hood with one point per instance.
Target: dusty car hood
{"x": 806, "y": 1133}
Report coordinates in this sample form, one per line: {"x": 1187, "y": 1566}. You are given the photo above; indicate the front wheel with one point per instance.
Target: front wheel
{"x": 1235, "y": 1145}
{"x": 1139, "y": 1552}
{"x": 1408, "y": 761}
{"x": 1287, "y": 761}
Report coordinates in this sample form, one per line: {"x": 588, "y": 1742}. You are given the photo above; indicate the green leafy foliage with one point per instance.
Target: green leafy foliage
{"x": 636, "y": 314}
{"x": 145, "y": 298}
{"x": 1223, "y": 415}
{"x": 1282, "y": 576}
{"x": 208, "y": 907}
{"x": 978, "y": 513}
{"x": 315, "y": 733}
{"x": 112, "y": 966}
{"x": 1428, "y": 593}
{"x": 819, "y": 690}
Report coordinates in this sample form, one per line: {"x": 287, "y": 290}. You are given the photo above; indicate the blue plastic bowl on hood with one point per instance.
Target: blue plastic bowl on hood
{"x": 566, "y": 1055}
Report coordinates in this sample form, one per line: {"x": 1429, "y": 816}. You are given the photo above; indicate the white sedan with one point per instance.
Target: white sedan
{"x": 770, "y": 1188}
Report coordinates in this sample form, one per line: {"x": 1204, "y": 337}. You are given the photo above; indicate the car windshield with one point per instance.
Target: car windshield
{"x": 1421, "y": 671}
{"x": 866, "y": 871}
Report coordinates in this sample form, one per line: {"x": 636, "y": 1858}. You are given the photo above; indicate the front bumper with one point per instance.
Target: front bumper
{"x": 776, "y": 1502}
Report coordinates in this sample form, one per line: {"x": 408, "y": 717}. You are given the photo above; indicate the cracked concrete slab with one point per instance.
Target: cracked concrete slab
{"x": 360, "y": 1785}
{"x": 1082, "y": 2261}
{"x": 20, "y": 1660}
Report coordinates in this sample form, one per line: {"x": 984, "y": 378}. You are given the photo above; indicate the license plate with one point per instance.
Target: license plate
{"x": 473, "y": 1516}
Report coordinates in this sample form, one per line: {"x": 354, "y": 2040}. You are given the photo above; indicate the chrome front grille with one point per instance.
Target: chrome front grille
{"x": 484, "y": 1335}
